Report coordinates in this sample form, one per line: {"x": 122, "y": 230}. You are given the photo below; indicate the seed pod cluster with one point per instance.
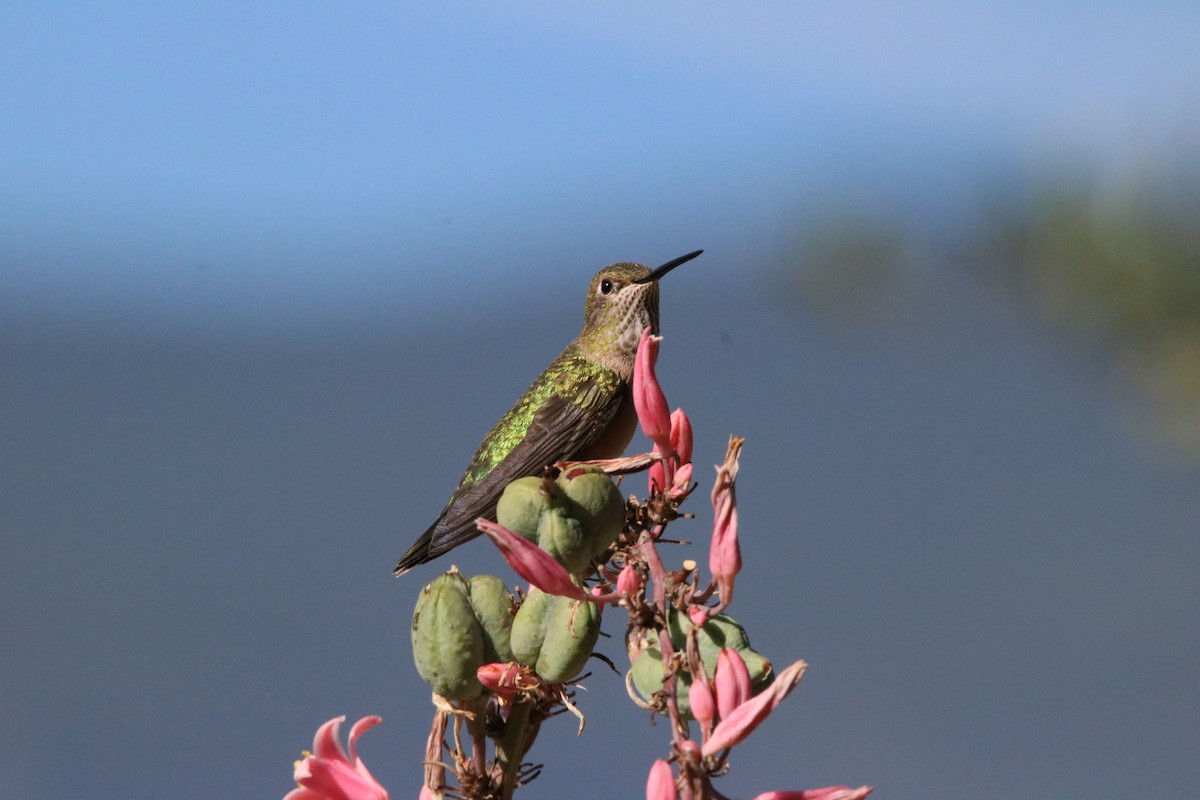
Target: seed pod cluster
{"x": 458, "y": 626}
{"x": 555, "y": 635}
{"x": 574, "y": 518}
{"x": 717, "y": 632}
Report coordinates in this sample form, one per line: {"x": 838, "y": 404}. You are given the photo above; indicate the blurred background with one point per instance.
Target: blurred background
{"x": 269, "y": 271}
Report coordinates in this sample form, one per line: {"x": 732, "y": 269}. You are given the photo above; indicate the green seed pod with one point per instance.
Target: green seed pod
{"x": 563, "y": 537}
{"x": 529, "y": 626}
{"x": 761, "y": 672}
{"x": 717, "y": 632}
{"x": 647, "y": 672}
{"x": 571, "y": 632}
{"x": 493, "y": 607}
{"x": 597, "y": 503}
{"x": 724, "y": 631}
{"x": 521, "y": 506}
{"x": 447, "y": 638}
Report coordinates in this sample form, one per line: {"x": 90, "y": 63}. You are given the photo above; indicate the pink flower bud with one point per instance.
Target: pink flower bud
{"x": 329, "y": 774}
{"x": 681, "y": 444}
{"x": 648, "y": 399}
{"x": 499, "y": 678}
{"x": 689, "y": 750}
{"x": 426, "y": 793}
{"x": 628, "y": 581}
{"x": 828, "y": 793}
{"x": 531, "y": 562}
{"x": 725, "y": 555}
{"x": 742, "y": 721}
{"x": 681, "y": 435}
{"x": 698, "y": 615}
{"x": 700, "y": 698}
{"x": 732, "y": 680}
{"x": 661, "y": 783}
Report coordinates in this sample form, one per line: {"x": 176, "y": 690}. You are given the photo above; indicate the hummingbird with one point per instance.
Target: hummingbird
{"x": 580, "y": 407}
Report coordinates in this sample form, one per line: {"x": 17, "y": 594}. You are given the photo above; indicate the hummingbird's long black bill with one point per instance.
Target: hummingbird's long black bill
{"x": 667, "y": 267}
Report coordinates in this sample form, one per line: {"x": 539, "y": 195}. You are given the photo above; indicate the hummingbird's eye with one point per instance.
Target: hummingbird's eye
{"x": 606, "y": 286}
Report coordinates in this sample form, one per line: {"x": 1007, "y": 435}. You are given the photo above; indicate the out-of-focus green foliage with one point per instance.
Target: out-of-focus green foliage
{"x": 1122, "y": 265}
{"x": 1114, "y": 262}
{"x": 850, "y": 266}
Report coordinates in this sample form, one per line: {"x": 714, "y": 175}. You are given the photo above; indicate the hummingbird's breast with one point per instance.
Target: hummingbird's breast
{"x": 616, "y": 437}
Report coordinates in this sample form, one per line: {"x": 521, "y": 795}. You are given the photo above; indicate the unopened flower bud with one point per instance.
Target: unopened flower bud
{"x": 732, "y": 681}
{"x": 629, "y": 583}
{"x": 661, "y": 783}
{"x": 681, "y": 444}
{"x": 700, "y": 699}
{"x": 499, "y": 678}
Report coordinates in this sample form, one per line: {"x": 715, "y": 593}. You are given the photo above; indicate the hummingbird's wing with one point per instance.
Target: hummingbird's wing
{"x": 569, "y": 406}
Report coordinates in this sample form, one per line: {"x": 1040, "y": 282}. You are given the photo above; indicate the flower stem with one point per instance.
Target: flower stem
{"x": 519, "y": 731}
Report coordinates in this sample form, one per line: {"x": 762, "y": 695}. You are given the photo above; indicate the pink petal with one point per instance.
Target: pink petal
{"x": 742, "y": 721}
{"x": 326, "y": 744}
{"x": 661, "y": 783}
{"x": 300, "y": 793}
{"x": 362, "y": 726}
{"x": 328, "y": 774}
{"x": 337, "y": 780}
{"x": 531, "y": 562}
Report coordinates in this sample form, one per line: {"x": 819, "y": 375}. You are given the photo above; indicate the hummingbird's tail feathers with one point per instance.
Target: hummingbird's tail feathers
{"x": 417, "y": 554}
{"x": 442, "y": 536}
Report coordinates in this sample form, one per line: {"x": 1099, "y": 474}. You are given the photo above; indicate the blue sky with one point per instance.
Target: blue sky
{"x": 223, "y": 163}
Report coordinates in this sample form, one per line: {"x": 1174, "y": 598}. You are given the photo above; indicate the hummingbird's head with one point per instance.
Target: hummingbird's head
{"x": 622, "y": 300}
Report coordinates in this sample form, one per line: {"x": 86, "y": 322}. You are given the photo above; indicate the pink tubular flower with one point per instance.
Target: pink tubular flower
{"x": 661, "y": 783}
{"x": 732, "y": 681}
{"x": 426, "y": 793}
{"x": 681, "y": 444}
{"x": 329, "y": 774}
{"x": 532, "y": 562}
{"x": 725, "y": 555}
{"x": 648, "y": 399}
{"x": 742, "y": 721}
{"x": 828, "y": 793}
